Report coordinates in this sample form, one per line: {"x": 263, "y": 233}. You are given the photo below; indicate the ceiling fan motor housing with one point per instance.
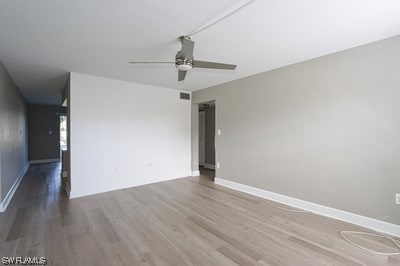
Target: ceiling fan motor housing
{"x": 182, "y": 62}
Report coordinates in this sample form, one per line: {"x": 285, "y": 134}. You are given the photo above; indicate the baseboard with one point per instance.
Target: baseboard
{"x": 374, "y": 224}
{"x": 195, "y": 173}
{"x": 11, "y": 192}
{"x": 209, "y": 166}
{"x": 54, "y": 160}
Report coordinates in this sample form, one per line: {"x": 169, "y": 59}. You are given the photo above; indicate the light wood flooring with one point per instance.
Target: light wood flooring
{"x": 180, "y": 222}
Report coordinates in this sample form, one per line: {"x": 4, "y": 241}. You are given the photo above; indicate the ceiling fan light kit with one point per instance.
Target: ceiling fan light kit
{"x": 184, "y": 66}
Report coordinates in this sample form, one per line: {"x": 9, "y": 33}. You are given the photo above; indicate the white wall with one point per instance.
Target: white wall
{"x": 126, "y": 134}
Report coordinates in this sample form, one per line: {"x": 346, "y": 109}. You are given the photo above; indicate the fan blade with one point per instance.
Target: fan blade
{"x": 181, "y": 75}
{"x": 213, "y": 65}
{"x": 187, "y": 47}
{"x": 142, "y": 62}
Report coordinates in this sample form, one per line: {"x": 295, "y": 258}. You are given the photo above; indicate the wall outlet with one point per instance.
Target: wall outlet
{"x": 397, "y": 198}
{"x": 219, "y": 165}
{"x": 219, "y": 132}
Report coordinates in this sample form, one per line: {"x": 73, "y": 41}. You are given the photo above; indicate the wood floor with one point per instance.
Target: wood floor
{"x": 179, "y": 222}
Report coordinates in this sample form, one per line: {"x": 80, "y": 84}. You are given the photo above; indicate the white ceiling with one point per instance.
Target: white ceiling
{"x": 41, "y": 40}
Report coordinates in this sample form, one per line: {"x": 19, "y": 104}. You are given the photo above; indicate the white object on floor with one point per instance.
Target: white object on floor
{"x": 395, "y": 242}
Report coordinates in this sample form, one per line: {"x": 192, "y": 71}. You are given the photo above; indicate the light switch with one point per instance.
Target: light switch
{"x": 50, "y": 132}
{"x": 219, "y": 132}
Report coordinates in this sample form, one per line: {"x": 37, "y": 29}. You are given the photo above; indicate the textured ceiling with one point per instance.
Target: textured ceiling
{"x": 41, "y": 40}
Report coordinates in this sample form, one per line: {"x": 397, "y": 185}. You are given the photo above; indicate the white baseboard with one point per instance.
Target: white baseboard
{"x": 44, "y": 161}
{"x": 209, "y": 166}
{"x": 374, "y": 224}
{"x": 11, "y": 192}
{"x": 195, "y": 173}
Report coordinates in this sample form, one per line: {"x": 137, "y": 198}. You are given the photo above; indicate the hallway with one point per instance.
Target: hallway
{"x": 37, "y": 202}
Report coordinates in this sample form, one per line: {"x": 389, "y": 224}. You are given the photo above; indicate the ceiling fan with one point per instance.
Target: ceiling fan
{"x": 185, "y": 61}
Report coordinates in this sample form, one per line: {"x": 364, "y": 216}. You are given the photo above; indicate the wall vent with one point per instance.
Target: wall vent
{"x": 185, "y": 96}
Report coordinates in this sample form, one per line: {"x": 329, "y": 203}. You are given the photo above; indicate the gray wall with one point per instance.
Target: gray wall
{"x": 325, "y": 130}
{"x": 210, "y": 135}
{"x": 13, "y": 133}
{"x": 42, "y": 119}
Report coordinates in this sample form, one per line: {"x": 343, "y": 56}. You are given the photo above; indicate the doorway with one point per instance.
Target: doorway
{"x": 207, "y": 139}
{"x": 63, "y": 133}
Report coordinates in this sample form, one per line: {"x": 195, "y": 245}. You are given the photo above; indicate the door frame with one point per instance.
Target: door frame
{"x": 202, "y": 143}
